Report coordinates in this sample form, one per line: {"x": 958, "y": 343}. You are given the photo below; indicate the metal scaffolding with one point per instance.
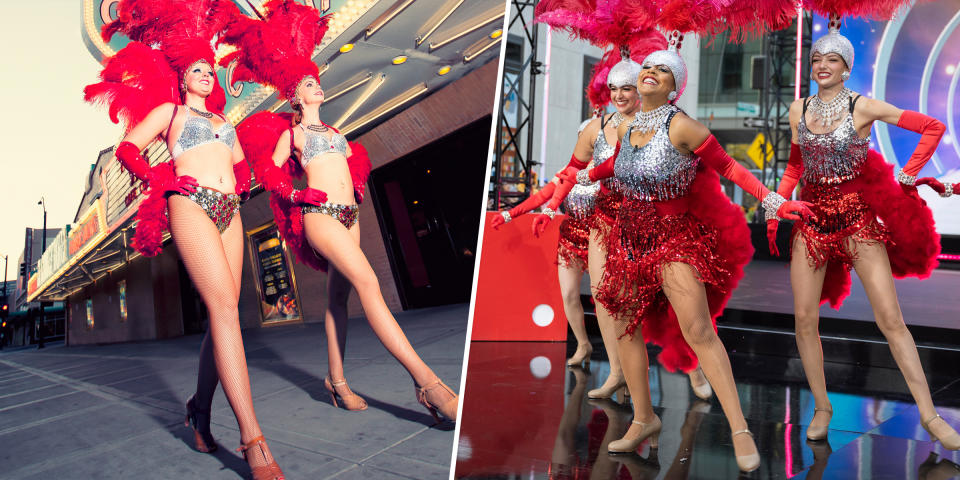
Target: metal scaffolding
{"x": 780, "y": 50}
{"x": 513, "y": 162}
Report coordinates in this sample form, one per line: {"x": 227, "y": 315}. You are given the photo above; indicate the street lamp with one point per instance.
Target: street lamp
{"x": 43, "y": 248}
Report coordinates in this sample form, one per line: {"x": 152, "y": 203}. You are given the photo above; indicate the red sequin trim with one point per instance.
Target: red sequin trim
{"x": 841, "y": 215}
{"x": 574, "y": 243}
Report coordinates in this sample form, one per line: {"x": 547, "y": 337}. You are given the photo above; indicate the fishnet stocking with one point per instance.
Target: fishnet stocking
{"x": 211, "y": 260}
{"x": 688, "y": 298}
{"x": 596, "y": 261}
{"x": 342, "y": 250}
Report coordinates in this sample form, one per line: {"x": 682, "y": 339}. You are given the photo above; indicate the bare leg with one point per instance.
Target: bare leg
{"x": 569, "y": 277}
{"x": 335, "y": 321}
{"x": 807, "y": 284}
{"x": 873, "y": 268}
{"x": 209, "y": 258}
{"x": 596, "y": 260}
{"x": 336, "y": 244}
{"x": 636, "y": 370}
{"x": 688, "y": 298}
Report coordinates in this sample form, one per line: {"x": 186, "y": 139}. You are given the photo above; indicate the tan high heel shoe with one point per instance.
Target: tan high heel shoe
{"x": 950, "y": 442}
{"x": 703, "y": 391}
{"x": 747, "y": 463}
{"x": 607, "y": 392}
{"x": 629, "y": 445}
{"x": 262, "y": 464}
{"x": 582, "y": 355}
{"x": 447, "y": 409}
{"x": 350, "y": 401}
{"x": 819, "y": 432}
{"x": 200, "y": 421}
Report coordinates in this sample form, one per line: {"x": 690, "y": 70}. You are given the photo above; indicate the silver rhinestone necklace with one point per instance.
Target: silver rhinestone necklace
{"x": 826, "y": 113}
{"x": 616, "y": 119}
{"x": 649, "y": 121}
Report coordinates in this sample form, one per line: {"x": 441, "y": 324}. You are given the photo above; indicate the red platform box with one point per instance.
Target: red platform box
{"x": 518, "y": 294}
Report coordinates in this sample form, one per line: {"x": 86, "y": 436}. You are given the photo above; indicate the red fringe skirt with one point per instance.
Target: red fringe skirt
{"x": 869, "y": 208}
{"x": 704, "y": 230}
{"x": 604, "y": 214}
{"x": 574, "y": 243}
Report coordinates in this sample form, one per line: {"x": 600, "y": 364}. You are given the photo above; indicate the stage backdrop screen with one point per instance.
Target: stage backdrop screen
{"x": 912, "y": 62}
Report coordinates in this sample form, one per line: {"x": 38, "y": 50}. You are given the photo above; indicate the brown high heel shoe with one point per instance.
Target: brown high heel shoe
{"x": 256, "y": 451}
{"x": 200, "y": 421}
{"x": 351, "y": 401}
{"x": 448, "y": 408}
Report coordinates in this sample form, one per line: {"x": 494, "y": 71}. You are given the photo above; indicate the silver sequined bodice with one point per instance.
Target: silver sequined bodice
{"x": 833, "y": 157}
{"x": 318, "y": 143}
{"x": 582, "y": 199}
{"x": 655, "y": 171}
{"x": 199, "y": 131}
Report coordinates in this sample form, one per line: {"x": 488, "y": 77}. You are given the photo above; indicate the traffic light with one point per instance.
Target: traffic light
{"x": 23, "y": 269}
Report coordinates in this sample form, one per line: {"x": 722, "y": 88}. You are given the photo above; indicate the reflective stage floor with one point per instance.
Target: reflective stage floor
{"x": 525, "y": 415}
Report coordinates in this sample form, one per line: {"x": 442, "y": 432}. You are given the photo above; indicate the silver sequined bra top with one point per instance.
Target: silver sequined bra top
{"x": 581, "y": 200}
{"x": 833, "y": 157}
{"x": 199, "y": 131}
{"x": 318, "y": 143}
{"x": 655, "y": 171}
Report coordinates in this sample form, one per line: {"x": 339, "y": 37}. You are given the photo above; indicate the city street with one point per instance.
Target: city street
{"x": 116, "y": 411}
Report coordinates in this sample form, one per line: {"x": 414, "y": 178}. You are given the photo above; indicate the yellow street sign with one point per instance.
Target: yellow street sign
{"x": 755, "y": 150}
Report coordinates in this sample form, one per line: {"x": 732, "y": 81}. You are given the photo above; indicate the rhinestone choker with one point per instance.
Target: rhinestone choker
{"x": 649, "y": 121}
{"x": 826, "y": 113}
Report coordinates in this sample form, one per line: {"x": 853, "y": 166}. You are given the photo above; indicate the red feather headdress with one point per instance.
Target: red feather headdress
{"x": 278, "y": 50}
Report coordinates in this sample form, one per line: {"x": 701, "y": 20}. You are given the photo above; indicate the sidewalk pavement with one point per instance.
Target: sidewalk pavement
{"x": 116, "y": 411}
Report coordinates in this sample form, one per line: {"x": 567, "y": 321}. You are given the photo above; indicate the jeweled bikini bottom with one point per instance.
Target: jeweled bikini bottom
{"x": 220, "y": 207}
{"x": 345, "y": 214}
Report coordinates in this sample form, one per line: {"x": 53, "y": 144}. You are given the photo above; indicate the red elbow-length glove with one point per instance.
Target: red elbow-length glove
{"x": 930, "y": 130}
{"x": 241, "y": 172}
{"x": 129, "y": 156}
{"x": 568, "y": 178}
{"x": 533, "y": 201}
{"x": 573, "y": 166}
{"x": 791, "y": 176}
{"x": 278, "y": 182}
{"x": 714, "y": 155}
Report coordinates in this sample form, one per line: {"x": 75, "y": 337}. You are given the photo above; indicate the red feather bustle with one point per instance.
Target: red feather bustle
{"x": 359, "y": 164}
{"x": 278, "y": 50}
{"x": 906, "y": 228}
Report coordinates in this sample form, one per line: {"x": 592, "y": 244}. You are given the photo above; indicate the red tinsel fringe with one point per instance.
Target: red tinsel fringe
{"x": 574, "y": 243}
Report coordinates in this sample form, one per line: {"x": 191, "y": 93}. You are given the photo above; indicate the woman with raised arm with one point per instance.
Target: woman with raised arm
{"x": 172, "y": 95}
{"x": 677, "y": 248}
{"x": 319, "y": 222}
{"x": 864, "y": 221}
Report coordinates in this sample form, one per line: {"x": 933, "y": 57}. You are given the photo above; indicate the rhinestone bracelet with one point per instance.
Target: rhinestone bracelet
{"x": 906, "y": 179}
{"x": 583, "y": 177}
{"x": 948, "y": 190}
{"x": 549, "y": 212}
{"x": 506, "y": 216}
{"x": 771, "y": 204}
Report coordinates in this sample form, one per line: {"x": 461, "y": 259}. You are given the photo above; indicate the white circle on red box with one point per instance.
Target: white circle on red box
{"x": 540, "y": 366}
{"x": 542, "y": 315}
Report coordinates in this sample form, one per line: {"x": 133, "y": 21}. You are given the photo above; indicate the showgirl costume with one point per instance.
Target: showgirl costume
{"x": 268, "y": 53}
{"x": 591, "y": 208}
{"x": 855, "y": 195}
{"x": 139, "y": 78}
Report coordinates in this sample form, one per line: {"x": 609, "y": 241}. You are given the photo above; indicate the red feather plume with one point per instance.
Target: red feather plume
{"x": 872, "y": 9}
{"x": 277, "y": 50}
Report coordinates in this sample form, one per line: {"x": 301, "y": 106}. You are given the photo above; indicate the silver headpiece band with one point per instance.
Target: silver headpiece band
{"x": 833, "y": 42}
{"x": 625, "y": 72}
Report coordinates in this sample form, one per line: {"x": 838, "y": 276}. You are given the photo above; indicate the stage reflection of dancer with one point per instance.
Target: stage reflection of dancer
{"x": 851, "y": 187}
{"x": 677, "y": 248}
{"x": 198, "y": 192}
{"x": 320, "y": 221}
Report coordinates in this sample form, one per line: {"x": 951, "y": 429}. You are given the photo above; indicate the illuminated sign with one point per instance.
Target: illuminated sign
{"x": 88, "y": 228}
{"x": 54, "y": 257}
